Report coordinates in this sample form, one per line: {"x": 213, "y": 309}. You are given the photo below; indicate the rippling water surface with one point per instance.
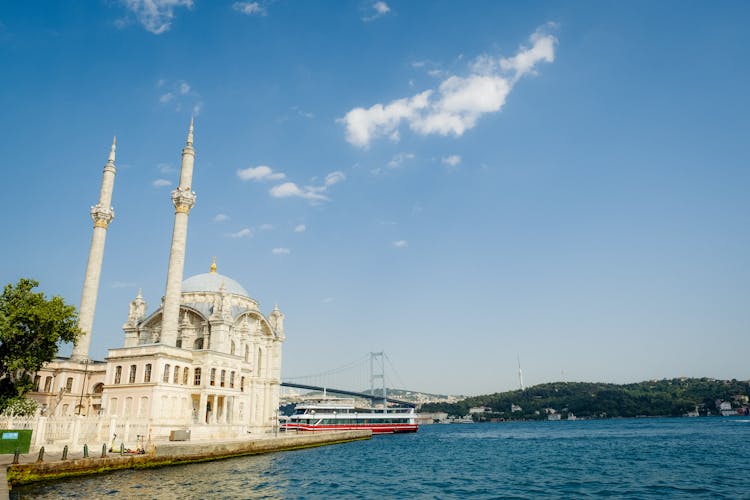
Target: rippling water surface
{"x": 640, "y": 458}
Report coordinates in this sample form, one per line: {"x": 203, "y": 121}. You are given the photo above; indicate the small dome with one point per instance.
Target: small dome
{"x": 211, "y": 282}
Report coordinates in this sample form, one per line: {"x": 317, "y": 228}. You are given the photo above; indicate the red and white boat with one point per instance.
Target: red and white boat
{"x": 340, "y": 414}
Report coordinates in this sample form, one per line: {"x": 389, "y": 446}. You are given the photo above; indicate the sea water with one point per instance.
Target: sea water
{"x": 622, "y": 458}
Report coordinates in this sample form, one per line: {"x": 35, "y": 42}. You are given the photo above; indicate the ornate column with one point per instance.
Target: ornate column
{"x": 183, "y": 199}
{"x": 102, "y": 213}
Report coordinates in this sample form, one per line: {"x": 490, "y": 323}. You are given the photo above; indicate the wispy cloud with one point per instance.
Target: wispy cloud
{"x": 312, "y": 193}
{"x": 281, "y": 251}
{"x": 458, "y": 102}
{"x": 451, "y": 161}
{"x": 399, "y": 159}
{"x": 295, "y": 112}
{"x": 221, "y": 218}
{"x": 300, "y": 228}
{"x": 179, "y": 95}
{"x": 376, "y": 10}
{"x": 122, "y": 284}
{"x": 154, "y": 15}
{"x": 159, "y": 183}
{"x": 249, "y": 8}
{"x": 265, "y": 227}
{"x": 259, "y": 173}
{"x": 400, "y": 244}
{"x": 165, "y": 168}
{"x": 242, "y": 233}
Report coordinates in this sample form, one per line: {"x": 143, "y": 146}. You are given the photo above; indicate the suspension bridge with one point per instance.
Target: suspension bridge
{"x": 356, "y": 373}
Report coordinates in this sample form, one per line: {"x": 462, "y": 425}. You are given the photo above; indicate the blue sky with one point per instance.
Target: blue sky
{"x": 455, "y": 184}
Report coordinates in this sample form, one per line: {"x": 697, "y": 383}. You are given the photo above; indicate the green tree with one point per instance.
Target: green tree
{"x": 31, "y": 327}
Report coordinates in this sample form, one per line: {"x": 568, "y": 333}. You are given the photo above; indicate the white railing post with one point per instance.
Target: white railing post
{"x": 39, "y": 432}
{"x": 76, "y": 431}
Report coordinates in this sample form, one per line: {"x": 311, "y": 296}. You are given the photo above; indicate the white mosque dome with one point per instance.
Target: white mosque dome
{"x": 212, "y": 282}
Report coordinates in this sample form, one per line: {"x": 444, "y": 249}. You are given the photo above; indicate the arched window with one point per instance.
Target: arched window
{"x": 231, "y": 348}
{"x": 98, "y": 388}
{"x": 213, "y": 376}
{"x": 118, "y": 374}
{"x": 198, "y": 344}
{"x": 185, "y": 375}
{"x": 247, "y": 353}
{"x": 231, "y": 380}
{"x": 147, "y": 373}
{"x": 242, "y": 384}
{"x": 197, "y": 376}
{"x": 69, "y": 384}
{"x": 48, "y": 384}
{"x": 143, "y": 407}
{"x": 165, "y": 377}
{"x": 260, "y": 361}
{"x": 131, "y": 378}
{"x": 223, "y": 377}
{"x": 37, "y": 380}
{"x": 176, "y": 379}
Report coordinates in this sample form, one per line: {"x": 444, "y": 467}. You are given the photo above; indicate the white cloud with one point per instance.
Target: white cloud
{"x": 458, "y": 102}
{"x": 401, "y": 244}
{"x": 452, "y": 160}
{"x": 184, "y": 88}
{"x": 161, "y": 183}
{"x": 266, "y": 227}
{"x": 328, "y": 300}
{"x": 281, "y": 251}
{"x": 165, "y": 98}
{"x": 399, "y": 159}
{"x": 155, "y": 15}
{"x": 300, "y": 228}
{"x": 249, "y": 8}
{"x": 259, "y": 173}
{"x": 542, "y": 49}
{"x": 221, "y": 218}
{"x": 242, "y": 233}
{"x": 379, "y": 9}
{"x": 290, "y": 190}
{"x": 362, "y": 125}
{"x": 334, "y": 178}
{"x": 311, "y": 193}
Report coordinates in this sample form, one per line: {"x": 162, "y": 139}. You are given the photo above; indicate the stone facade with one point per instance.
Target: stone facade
{"x": 206, "y": 360}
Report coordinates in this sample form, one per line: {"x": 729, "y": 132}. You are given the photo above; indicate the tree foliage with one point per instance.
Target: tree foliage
{"x": 31, "y": 327}
{"x": 668, "y": 397}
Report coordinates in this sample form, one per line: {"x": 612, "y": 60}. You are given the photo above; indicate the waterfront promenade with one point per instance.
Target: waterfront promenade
{"x": 29, "y": 470}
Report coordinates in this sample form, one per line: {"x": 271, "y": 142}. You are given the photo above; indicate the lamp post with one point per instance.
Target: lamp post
{"x": 83, "y": 385}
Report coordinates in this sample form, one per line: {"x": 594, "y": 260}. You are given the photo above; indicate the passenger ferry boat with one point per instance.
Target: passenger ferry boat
{"x": 340, "y": 414}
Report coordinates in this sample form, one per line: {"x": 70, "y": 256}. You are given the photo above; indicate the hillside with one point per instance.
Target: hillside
{"x": 673, "y": 397}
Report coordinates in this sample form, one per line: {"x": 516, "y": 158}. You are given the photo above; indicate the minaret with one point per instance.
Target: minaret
{"x": 183, "y": 199}
{"x": 102, "y": 214}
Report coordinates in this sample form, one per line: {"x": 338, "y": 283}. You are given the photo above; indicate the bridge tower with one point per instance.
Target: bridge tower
{"x": 378, "y": 374}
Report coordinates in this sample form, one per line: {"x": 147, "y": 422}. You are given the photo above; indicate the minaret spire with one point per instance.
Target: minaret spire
{"x": 112, "y": 151}
{"x": 183, "y": 199}
{"x": 102, "y": 214}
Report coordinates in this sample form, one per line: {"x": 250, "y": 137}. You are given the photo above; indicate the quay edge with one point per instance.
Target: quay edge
{"x": 174, "y": 453}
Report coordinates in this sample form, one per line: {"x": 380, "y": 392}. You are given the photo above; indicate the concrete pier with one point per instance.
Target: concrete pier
{"x": 164, "y": 454}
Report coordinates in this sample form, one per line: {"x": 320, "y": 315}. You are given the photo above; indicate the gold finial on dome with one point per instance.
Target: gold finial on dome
{"x": 213, "y": 266}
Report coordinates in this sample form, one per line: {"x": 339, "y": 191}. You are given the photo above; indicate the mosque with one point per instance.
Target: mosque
{"x": 207, "y": 360}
